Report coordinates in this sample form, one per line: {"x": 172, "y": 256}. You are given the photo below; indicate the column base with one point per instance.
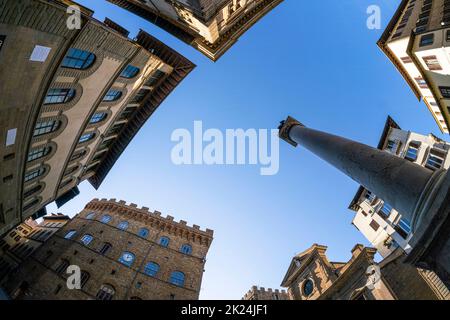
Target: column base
{"x": 431, "y": 239}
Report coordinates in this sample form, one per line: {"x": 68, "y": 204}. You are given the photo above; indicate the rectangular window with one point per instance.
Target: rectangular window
{"x": 386, "y": 210}
{"x": 421, "y": 82}
{"x": 426, "y": 40}
{"x": 392, "y": 146}
{"x": 40, "y": 54}
{"x": 370, "y": 196}
{"x": 411, "y": 154}
{"x": 11, "y": 137}
{"x": 435, "y": 159}
{"x": 432, "y": 63}
{"x": 406, "y": 60}
{"x": 374, "y": 225}
{"x": 445, "y": 91}
{"x": 405, "y": 225}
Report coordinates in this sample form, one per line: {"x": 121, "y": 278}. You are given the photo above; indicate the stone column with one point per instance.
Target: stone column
{"x": 416, "y": 192}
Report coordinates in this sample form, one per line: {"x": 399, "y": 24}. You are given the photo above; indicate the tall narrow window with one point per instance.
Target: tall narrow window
{"x": 405, "y": 225}
{"x": 105, "y": 248}
{"x": 386, "y": 210}
{"x": 151, "y": 269}
{"x": 78, "y": 59}
{"x": 31, "y": 175}
{"x": 44, "y": 127}
{"x": 112, "y": 95}
{"x": 435, "y": 159}
{"x": 106, "y": 292}
{"x": 177, "y": 278}
{"x": 62, "y": 267}
{"x": 86, "y": 137}
{"x": 186, "y": 249}
{"x": 411, "y": 153}
{"x": 164, "y": 241}
{"x": 129, "y": 72}
{"x": 84, "y": 278}
{"x": 98, "y": 117}
{"x": 38, "y": 153}
{"x": 57, "y": 96}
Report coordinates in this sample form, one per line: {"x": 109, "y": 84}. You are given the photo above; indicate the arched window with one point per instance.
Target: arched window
{"x": 70, "y": 234}
{"x": 38, "y": 153}
{"x": 123, "y": 225}
{"x": 105, "y": 248}
{"x": 33, "y": 174}
{"x": 98, "y": 117}
{"x": 90, "y": 216}
{"x": 177, "y": 278}
{"x": 32, "y": 191}
{"x": 151, "y": 269}
{"x": 44, "y": 127}
{"x": 112, "y": 95}
{"x": 129, "y": 72}
{"x": 106, "y": 218}
{"x": 86, "y": 137}
{"x": 62, "y": 267}
{"x": 57, "y": 96}
{"x": 127, "y": 258}
{"x": 30, "y": 205}
{"x": 164, "y": 241}
{"x": 78, "y": 155}
{"x": 87, "y": 239}
{"x": 78, "y": 59}
{"x": 143, "y": 232}
{"x": 186, "y": 249}
{"x": 84, "y": 278}
{"x": 106, "y": 292}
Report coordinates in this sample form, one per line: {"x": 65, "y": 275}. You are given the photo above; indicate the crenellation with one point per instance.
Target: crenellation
{"x": 167, "y": 223}
{"x": 261, "y": 293}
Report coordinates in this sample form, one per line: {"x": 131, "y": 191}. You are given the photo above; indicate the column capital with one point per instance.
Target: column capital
{"x": 285, "y": 127}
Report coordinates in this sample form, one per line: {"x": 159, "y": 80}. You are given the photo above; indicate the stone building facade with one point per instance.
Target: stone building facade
{"x": 311, "y": 276}
{"x": 123, "y": 252}
{"x": 72, "y": 100}
{"x": 260, "y": 293}
{"x": 26, "y": 238}
{"x": 210, "y": 26}
{"x": 417, "y": 41}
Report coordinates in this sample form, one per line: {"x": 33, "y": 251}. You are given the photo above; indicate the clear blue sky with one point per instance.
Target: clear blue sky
{"x": 314, "y": 60}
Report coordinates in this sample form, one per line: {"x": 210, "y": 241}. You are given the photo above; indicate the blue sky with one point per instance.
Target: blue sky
{"x": 314, "y": 60}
